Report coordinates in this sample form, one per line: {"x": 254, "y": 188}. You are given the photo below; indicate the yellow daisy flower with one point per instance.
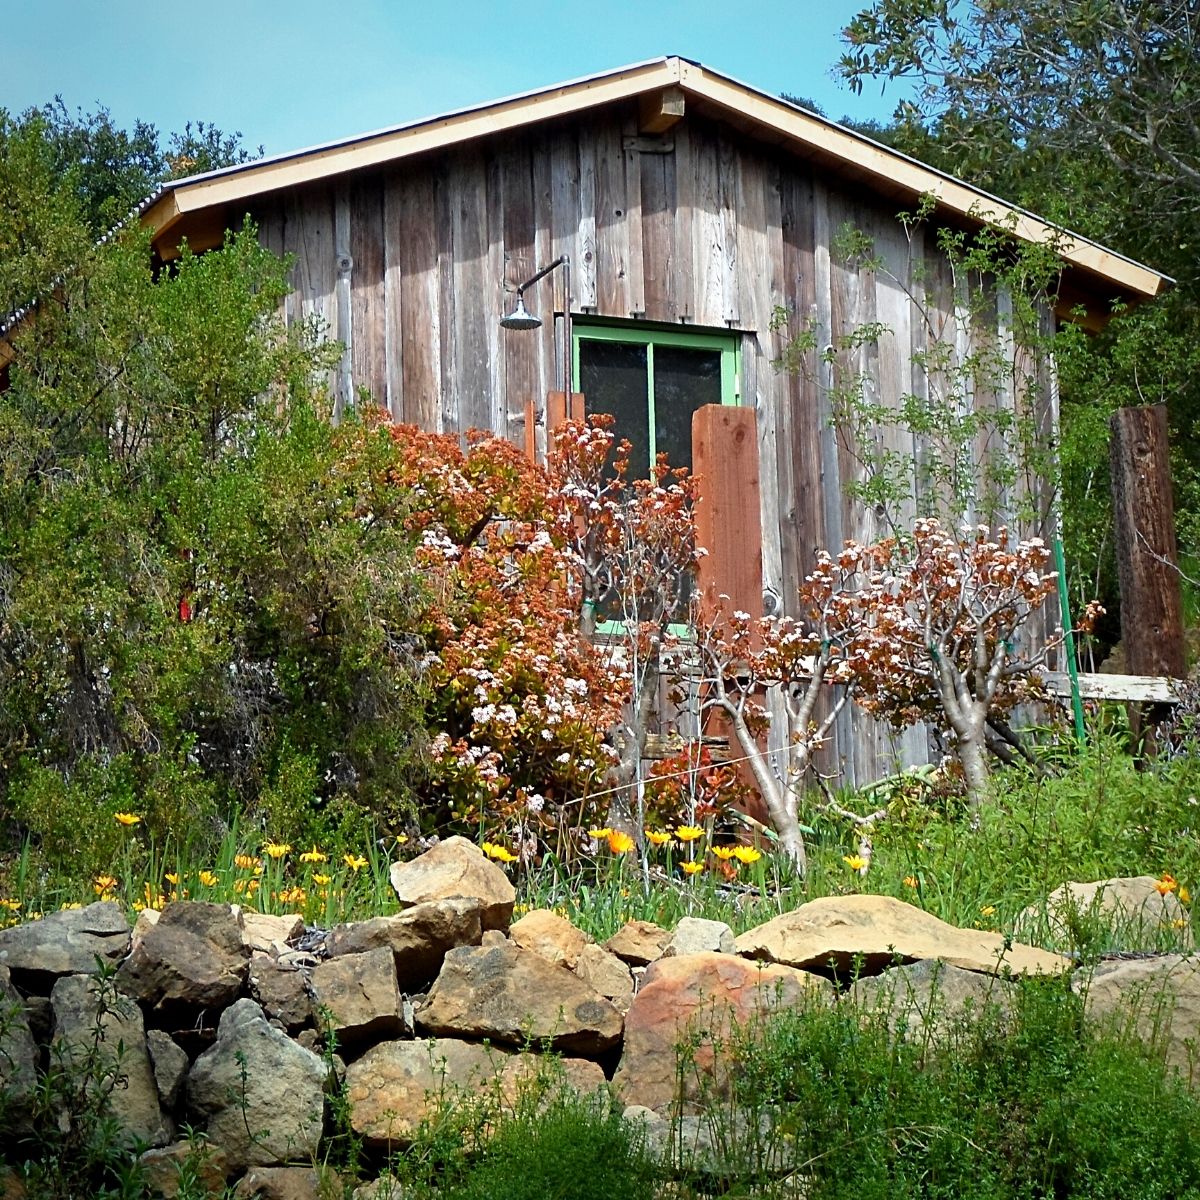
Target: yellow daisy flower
{"x": 692, "y": 868}
{"x": 746, "y": 854}
{"x": 355, "y": 862}
{"x": 688, "y": 833}
{"x": 276, "y": 850}
{"x": 128, "y": 818}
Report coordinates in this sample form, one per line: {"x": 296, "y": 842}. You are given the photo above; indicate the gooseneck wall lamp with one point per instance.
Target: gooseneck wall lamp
{"x": 522, "y": 318}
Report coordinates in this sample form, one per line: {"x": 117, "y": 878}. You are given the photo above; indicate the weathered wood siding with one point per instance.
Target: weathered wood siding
{"x": 699, "y": 226}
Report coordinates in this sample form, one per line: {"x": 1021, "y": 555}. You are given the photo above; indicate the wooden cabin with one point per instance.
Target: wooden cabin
{"x": 692, "y": 208}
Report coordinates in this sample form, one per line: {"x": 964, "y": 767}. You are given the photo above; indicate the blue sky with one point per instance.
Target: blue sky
{"x": 295, "y": 74}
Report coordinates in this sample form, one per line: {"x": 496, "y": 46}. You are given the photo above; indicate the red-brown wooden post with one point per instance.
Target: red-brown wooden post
{"x": 728, "y": 517}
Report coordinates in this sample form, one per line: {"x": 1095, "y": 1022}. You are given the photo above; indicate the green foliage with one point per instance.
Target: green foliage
{"x": 543, "y": 1142}
{"x": 1033, "y": 1105}
{"x": 206, "y": 589}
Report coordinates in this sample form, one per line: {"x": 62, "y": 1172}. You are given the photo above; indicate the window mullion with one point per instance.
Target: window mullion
{"x": 650, "y": 404}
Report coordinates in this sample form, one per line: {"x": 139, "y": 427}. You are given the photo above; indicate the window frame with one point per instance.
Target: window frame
{"x": 727, "y": 342}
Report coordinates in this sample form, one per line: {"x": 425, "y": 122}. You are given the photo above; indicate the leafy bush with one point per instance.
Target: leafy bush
{"x": 1033, "y": 1105}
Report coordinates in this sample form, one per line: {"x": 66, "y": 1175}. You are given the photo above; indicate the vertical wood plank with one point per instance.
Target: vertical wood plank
{"x": 538, "y": 150}
{"x": 636, "y": 270}
{"x": 519, "y": 349}
{"x": 612, "y": 224}
{"x": 586, "y": 293}
{"x": 446, "y": 209}
{"x": 729, "y": 198}
{"x": 395, "y": 351}
{"x": 308, "y": 235}
{"x": 418, "y": 232}
{"x": 466, "y": 184}
{"x": 682, "y": 296}
{"x": 658, "y": 235}
{"x": 343, "y": 396}
{"x": 505, "y": 419}
{"x": 370, "y": 317}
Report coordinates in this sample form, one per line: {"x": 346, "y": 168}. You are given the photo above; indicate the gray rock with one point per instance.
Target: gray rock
{"x": 456, "y": 867}
{"x": 18, "y": 1057}
{"x": 90, "y": 1016}
{"x": 357, "y": 994}
{"x": 193, "y": 959}
{"x": 170, "y": 1066}
{"x": 510, "y": 995}
{"x": 729, "y": 1145}
{"x": 281, "y": 990}
{"x": 64, "y": 943}
{"x": 933, "y": 996}
{"x": 419, "y": 937}
{"x": 695, "y": 935}
{"x": 262, "y": 1095}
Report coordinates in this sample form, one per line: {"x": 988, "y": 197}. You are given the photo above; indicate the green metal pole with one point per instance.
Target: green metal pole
{"x": 1064, "y": 603}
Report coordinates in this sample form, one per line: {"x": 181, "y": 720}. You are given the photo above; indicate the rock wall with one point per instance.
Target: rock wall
{"x": 222, "y": 1016}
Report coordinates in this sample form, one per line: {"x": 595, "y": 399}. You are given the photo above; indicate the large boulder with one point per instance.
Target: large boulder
{"x": 932, "y": 997}
{"x": 170, "y": 1066}
{"x": 1156, "y": 998}
{"x": 394, "y": 1086}
{"x": 18, "y": 1058}
{"x": 63, "y": 943}
{"x": 696, "y": 998}
{"x": 90, "y": 1018}
{"x": 1133, "y": 911}
{"x": 456, "y": 867}
{"x": 868, "y": 934}
{"x": 288, "y": 1183}
{"x": 269, "y": 932}
{"x": 357, "y": 994}
{"x": 419, "y": 937}
{"x": 261, "y": 1094}
{"x": 553, "y": 937}
{"x": 512, "y": 996}
{"x": 192, "y": 960}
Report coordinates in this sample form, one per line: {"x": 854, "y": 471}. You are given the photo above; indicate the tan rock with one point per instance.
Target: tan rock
{"x": 287, "y": 1183}
{"x": 638, "y": 943}
{"x": 1133, "y": 908}
{"x": 867, "y": 934}
{"x": 698, "y": 995}
{"x": 1156, "y": 998}
{"x": 607, "y": 974}
{"x": 511, "y": 995}
{"x": 456, "y": 867}
{"x": 358, "y": 993}
{"x": 553, "y": 937}
{"x": 162, "y": 1168}
{"x": 267, "y": 932}
{"x": 146, "y": 921}
{"x": 419, "y": 937}
{"x": 395, "y": 1085}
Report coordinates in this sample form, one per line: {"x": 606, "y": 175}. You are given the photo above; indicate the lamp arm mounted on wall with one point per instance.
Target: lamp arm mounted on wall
{"x": 522, "y": 318}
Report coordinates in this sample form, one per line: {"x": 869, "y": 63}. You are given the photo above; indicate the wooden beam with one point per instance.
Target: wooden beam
{"x": 1152, "y": 689}
{"x": 658, "y": 111}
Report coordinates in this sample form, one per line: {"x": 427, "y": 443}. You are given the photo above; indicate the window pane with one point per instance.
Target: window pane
{"x": 684, "y": 380}
{"x": 613, "y": 378}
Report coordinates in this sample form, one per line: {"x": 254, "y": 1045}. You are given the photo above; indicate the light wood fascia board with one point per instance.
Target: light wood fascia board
{"x": 418, "y": 139}
{"x": 911, "y": 177}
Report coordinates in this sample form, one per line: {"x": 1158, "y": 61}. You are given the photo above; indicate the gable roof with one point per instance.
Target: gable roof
{"x": 192, "y": 204}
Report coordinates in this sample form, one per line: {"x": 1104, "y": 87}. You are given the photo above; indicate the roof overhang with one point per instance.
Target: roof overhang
{"x": 198, "y": 207}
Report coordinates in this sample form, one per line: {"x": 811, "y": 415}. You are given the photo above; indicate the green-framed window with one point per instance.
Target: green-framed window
{"x": 651, "y": 380}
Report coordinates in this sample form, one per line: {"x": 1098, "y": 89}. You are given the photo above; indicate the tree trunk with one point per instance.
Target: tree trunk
{"x": 972, "y": 755}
